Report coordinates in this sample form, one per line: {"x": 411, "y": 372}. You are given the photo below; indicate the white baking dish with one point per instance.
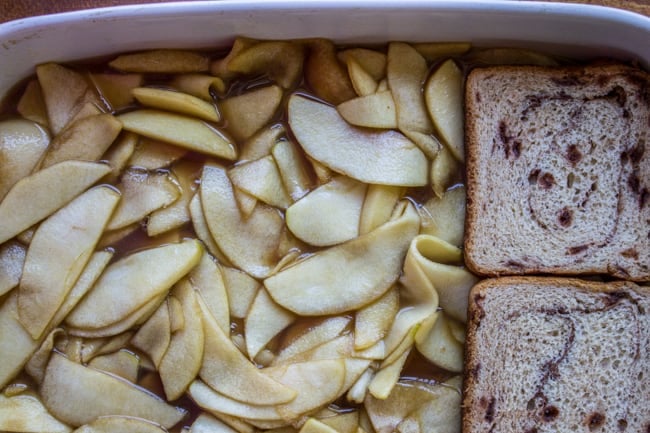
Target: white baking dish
{"x": 566, "y": 29}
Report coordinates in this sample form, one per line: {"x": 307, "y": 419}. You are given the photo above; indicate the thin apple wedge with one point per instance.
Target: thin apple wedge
{"x": 261, "y": 179}
{"x": 435, "y": 341}
{"x": 199, "y": 85}
{"x": 183, "y": 131}
{"x": 12, "y": 258}
{"x": 22, "y": 144}
{"x": 375, "y": 110}
{"x": 201, "y": 228}
{"x": 280, "y": 60}
{"x": 443, "y": 95}
{"x": 440, "y": 415}
{"x": 362, "y": 81}
{"x": 115, "y": 89}
{"x": 433, "y": 51}
{"x": 249, "y": 112}
{"x": 339, "y": 279}
{"x": 154, "y": 335}
{"x": 182, "y": 361}
{"x": 152, "y": 154}
{"x": 373, "y": 62}
{"x": 385, "y": 157}
{"x": 445, "y": 216}
{"x": 119, "y": 153}
{"x": 130, "y": 283}
{"x": 78, "y": 395}
{"x": 265, "y": 320}
{"x": 73, "y": 141}
{"x": 122, "y": 363}
{"x": 37, "y": 196}
{"x": 205, "y": 423}
{"x": 260, "y": 144}
{"x": 207, "y": 279}
{"x": 378, "y": 206}
{"x": 217, "y": 403}
{"x": 226, "y": 370}
{"x": 329, "y": 214}
{"x": 178, "y": 102}
{"x": 241, "y": 288}
{"x": 25, "y": 413}
{"x": 315, "y": 426}
{"x": 121, "y": 424}
{"x": 52, "y": 268}
{"x": 373, "y": 321}
{"x": 162, "y": 62}
{"x": 293, "y": 168}
{"x": 251, "y": 244}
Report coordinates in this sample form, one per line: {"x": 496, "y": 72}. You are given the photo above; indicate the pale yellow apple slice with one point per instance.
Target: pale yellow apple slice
{"x": 265, "y": 319}
{"x": 217, "y": 403}
{"x": 77, "y": 395}
{"x": 374, "y": 110}
{"x": 358, "y": 391}
{"x": 183, "y": 131}
{"x": 445, "y": 171}
{"x": 208, "y": 280}
{"x": 199, "y": 85}
{"x": 115, "y": 89}
{"x": 247, "y": 113}
{"x": 182, "y": 360}
{"x": 373, "y": 62}
{"x": 406, "y": 70}
{"x": 177, "y": 214}
{"x": 385, "y": 157}
{"x": 31, "y": 104}
{"x": 25, "y": 413}
{"x": 131, "y": 282}
{"x": 37, "y": 363}
{"x": 63, "y": 89}
{"x": 142, "y": 193}
{"x": 328, "y": 215}
{"x": 440, "y": 415}
{"x": 325, "y": 74}
{"x": 119, "y": 153}
{"x": 241, "y": 288}
{"x": 433, "y": 51}
{"x": 122, "y": 363}
{"x": 37, "y": 196}
{"x": 346, "y": 422}
{"x": 445, "y": 217}
{"x": 154, "y": 335}
{"x": 206, "y": 423}
{"x": 201, "y": 228}
{"x": 387, "y": 376}
{"x": 317, "y": 334}
{"x": 378, "y": 206}
{"x": 362, "y": 81}
{"x": 293, "y": 167}
{"x": 251, "y": 244}
{"x": 85, "y": 139}
{"x": 107, "y": 345}
{"x": 435, "y": 341}
{"x": 315, "y": 426}
{"x": 112, "y": 237}
{"x": 373, "y": 321}
{"x": 52, "y": 267}
{"x": 161, "y": 61}
{"x": 443, "y": 95}
{"x": 154, "y": 154}
{"x": 178, "y": 102}
{"x": 22, "y": 143}
{"x": 121, "y": 424}
{"x": 226, "y": 369}
{"x": 12, "y": 258}
{"x": 261, "y": 179}
{"x": 260, "y": 144}
{"x": 281, "y": 60}
{"x": 512, "y": 56}
{"x": 339, "y": 279}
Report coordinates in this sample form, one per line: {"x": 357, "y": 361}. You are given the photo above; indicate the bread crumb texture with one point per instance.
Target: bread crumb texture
{"x": 557, "y": 355}
{"x": 558, "y": 171}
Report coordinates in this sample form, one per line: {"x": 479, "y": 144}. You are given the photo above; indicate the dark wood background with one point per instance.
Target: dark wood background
{"x": 15, "y": 9}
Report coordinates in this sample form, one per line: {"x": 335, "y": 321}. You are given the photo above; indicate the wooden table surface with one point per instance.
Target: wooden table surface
{"x": 15, "y": 9}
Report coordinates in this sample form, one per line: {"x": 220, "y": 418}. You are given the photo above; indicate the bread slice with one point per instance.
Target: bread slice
{"x": 552, "y": 354}
{"x": 558, "y": 166}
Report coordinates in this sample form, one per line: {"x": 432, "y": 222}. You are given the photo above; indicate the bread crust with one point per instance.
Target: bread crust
{"x": 620, "y": 250}
{"x": 476, "y": 314}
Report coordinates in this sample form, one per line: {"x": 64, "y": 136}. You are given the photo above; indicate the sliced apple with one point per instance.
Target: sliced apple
{"x": 119, "y": 154}
{"x": 294, "y": 169}
{"x": 280, "y": 60}
{"x": 445, "y": 171}
{"x": 346, "y": 422}
{"x": 265, "y": 319}
{"x": 154, "y": 335}
{"x": 443, "y": 95}
{"x": 115, "y": 89}
{"x": 261, "y": 179}
{"x": 375, "y": 110}
{"x": 22, "y": 144}
{"x": 25, "y": 413}
{"x": 182, "y": 360}
{"x": 241, "y": 288}
{"x": 226, "y": 369}
{"x": 73, "y": 141}
{"x": 153, "y": 154}
{"x": 130, "y": 283}
{"x": 32, "y": 105}
{"x": 206, "y": 423}
{"x": 339, "y": 279}
{"x": 325, "y": 74}
{"x": 362, "y": 81}
{"x": 77, "y": 395}
{"x": 178, "y": 102}
{"x": 260, "y": 144}
{"x": 373, "y": 321}
{"x": 107, "y": 345}
{"x": 433, "y": 51}
{"x": 440, "y": 415}
{"x": 12, "y": 258}
{"x": 201, "y": 228}
{"x": 217, "y": 403}
{"x": 385, "y": 157}
{"x": 320, "y": 333}
{"x": 122, "y": 363}
{"x": 37, "y": 363}
{"x": 199, "y": 85}
{"x": 315, "y": 426}
{"x": 406, "y": 71}
{"x": 51, "y": 267}
{"x": 378, "y": 206}
{"x": 249, "y": 243}
{"x": 329, "y": 214}
{"x": 207, "y": 279}
{"x": 445, "y": 217}
{"x": 358, "y": 391}
{"x": 373, "y": 62}
{"x": 183, "y": 131}
{"x": 387, "y": 376}
{"x": 220, "y": 68}
{"x": 435, "y": 341}
{"x": 512, "y": 56}
{"x": 142, "y": 193}
{"x": 161, "y": 61}
{"x": 247, "y": 113}
{"x": 37, "y": 196}
{"x": 120, "y": 424}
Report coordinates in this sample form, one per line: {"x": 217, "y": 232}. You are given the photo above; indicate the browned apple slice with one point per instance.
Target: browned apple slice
{"x": 178, "y": 102}
{"x": 382, "y": 157}
{"x": 37, "y": 196}
{"x": 32, "y": 105}
{"x": 280, "y": 60}
{"x": 433, "y": 51}
{"x": 78, "y": 395}
{"x": 115, "y": 89}
{"x": 325, "y": 74}
{"x": 208, "y": 280}
{"x": 337, "y": 279}
{"x": 374, "y": 62}
{"x": 249, "y": 112}
{"x": 119, "y": 153}
{"x": 220, "y": 67}
{"x": 161, "y": 61}
{"x": 12, "y": 258}
{"x": 362, "y": 81}
{"x": 261, "y": 179}
{"x": 25, "y": 413}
